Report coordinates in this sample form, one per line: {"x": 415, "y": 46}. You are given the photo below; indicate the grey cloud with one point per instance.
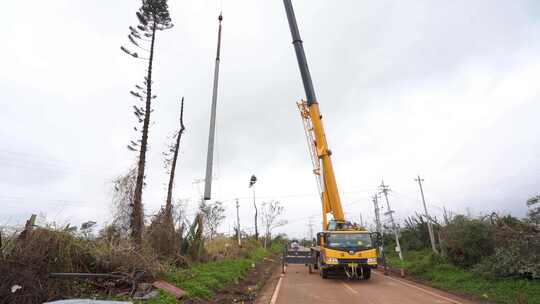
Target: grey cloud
{"x": 402, "y": 88}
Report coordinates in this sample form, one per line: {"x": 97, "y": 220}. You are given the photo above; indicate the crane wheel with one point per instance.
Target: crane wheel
{"x": 367, "y": 273}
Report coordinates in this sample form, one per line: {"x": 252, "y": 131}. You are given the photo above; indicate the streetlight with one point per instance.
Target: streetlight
{"x": 252, "y": 182}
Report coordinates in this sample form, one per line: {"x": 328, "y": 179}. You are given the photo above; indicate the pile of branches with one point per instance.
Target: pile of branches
{"x": 19, "y": 284}
{"x": 29, "y": 257}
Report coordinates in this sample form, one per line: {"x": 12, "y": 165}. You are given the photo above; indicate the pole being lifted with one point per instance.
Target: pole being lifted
{"x": 212, "y": 132}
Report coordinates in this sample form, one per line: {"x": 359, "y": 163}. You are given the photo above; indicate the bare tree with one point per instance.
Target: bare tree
{"x": 122, "y": 201}
{"x": 534, "y": 209}
{"x": 270, "y": 212}
{"x": 170, "y": 163}
{"x": 213, "y": 215}
{"x": 179, "y": 212}
{"x": 153, "y": 16}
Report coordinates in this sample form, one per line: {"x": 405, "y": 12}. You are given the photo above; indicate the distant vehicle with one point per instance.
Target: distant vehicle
{"x": 295, "y": 245}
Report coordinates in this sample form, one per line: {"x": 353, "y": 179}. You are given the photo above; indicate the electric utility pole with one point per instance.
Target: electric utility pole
{"x": 310, "y": 225}
{"x": 379, "y": 226}
{"x": 428, "y": 219}
{"x": 384, "y": 189}
{"x": 377, "y": 213}
{"x": 212, "y": 132}
{"x": 238, "y": 224}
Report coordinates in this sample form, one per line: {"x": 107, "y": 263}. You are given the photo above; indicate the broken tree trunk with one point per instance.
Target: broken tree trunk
{"x": 168, "y": 203}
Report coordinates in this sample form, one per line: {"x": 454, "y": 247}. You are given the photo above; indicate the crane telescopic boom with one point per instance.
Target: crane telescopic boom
{"x": 341, "y": 246}
{"x": 309, "y": 110}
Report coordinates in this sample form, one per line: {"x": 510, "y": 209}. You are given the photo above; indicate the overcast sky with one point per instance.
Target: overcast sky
{"x": 445, "y": 89}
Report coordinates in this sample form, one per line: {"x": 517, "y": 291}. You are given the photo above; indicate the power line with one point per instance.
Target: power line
{"x": 232, "y": 199}
{"x": 33, "y": 161}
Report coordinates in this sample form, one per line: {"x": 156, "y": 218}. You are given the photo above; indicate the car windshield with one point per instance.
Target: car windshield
{"x": 349, "y": 240}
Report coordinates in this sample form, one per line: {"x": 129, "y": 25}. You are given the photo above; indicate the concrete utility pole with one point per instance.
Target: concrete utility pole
{"x": 428, "y": 219}
{"x": 384, "y": 189}
{"x": 238, "y": 223}
{"x": 212, "y": 132}
{"x": 379, "y": 225}
{"x": 310, "y": 225}
{"x": 377, "y": 213}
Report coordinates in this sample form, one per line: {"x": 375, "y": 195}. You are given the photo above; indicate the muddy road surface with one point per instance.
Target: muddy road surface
{"x": 298, "y": 286}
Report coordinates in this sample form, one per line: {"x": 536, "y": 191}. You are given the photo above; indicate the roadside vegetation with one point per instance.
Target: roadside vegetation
{"x": 29, "y": 257}
{"x": 437, "y": 272}
{"x": 203, "y": 279}
{"x": 492, "y": 258}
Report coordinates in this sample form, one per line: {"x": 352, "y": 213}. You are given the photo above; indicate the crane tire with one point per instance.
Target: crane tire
{"x": 367, "y": 273}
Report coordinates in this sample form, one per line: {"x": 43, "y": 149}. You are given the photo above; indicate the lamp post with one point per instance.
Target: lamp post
{"x": 252, "y": 182}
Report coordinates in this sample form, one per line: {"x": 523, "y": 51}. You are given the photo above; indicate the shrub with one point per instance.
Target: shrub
{"x": 222, "y": 247}
{"x": 467, "y": 241}
{"x": 517, "y": 251}
{"x": 415, "y": 234}
{"x": 424, "y": 262}
{"x": 161, "y": 235}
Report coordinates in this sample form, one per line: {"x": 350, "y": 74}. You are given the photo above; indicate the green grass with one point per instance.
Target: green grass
{"x": 441, "y": 274}
{"x": 203, "y": 279}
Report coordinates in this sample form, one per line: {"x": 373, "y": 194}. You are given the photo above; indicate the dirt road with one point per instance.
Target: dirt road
{"x": 297, "y": 286}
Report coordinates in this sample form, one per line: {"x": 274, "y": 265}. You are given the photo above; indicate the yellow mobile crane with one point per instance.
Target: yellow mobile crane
{"x": 341, "y": 246}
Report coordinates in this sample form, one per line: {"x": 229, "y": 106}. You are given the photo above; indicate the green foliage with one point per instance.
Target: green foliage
{"x": 439, "y": 273}
{"x": 202, "y": 279}
{"x": 192, "y": 243}
{"x": 517, "y": 251}
{"x": 415, "y": 234}
{"x": 496, "y": 246}
{"x": 162, "y": 298}
{"x": 428, "y": 260}
{"x": 155, "y": 11}
{"x": 467, "y": 241}
{"x": 213, "y": 215}
{"x": 504, "y": 263}
{"x": 277, "y": 246}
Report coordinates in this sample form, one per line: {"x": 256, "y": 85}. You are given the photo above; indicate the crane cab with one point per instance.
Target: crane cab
{"x": 350, "y": 251}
